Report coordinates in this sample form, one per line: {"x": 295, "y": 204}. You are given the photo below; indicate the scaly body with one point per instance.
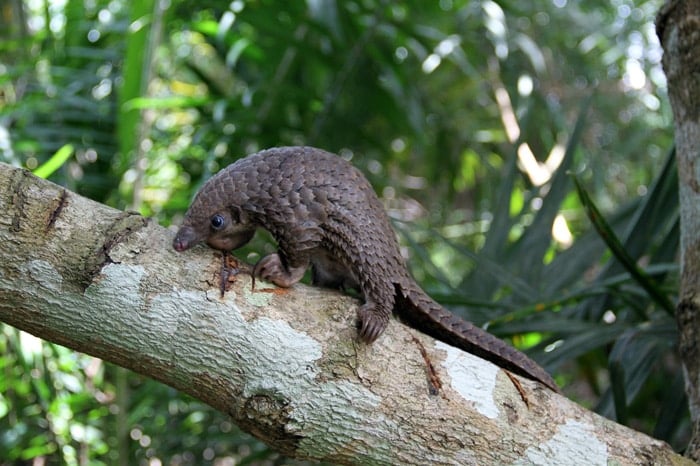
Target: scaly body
{"x": 324, "y": 214}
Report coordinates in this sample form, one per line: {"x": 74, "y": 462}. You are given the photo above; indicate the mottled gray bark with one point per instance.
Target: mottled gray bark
{"x": 678, "y": 28}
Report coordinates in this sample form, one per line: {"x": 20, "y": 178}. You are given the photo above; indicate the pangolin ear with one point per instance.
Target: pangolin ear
{"x": 237, "y": 214}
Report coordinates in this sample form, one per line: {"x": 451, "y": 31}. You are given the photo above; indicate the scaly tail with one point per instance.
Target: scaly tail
{"x": 421, "y": 312}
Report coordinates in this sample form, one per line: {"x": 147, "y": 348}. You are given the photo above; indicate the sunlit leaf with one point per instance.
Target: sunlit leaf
{"x": 55, "y": 162}
{"x": 140, "y": 103}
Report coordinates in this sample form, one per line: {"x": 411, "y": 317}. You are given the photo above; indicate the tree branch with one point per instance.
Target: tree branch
{"x": 678, "y": 26}
{"x": 284, "y": 364}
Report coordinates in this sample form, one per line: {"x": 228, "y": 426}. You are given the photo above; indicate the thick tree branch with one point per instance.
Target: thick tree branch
{"x": 285, "y": 364}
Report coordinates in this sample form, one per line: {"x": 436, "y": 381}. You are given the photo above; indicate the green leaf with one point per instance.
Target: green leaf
{"x": 673, "y": 409}
{"x": 56, "y": 161}
{"x": 532, "y": 246}
{"x": 579, "y": 344}
{"x": 617, "y": 384}
{"x": 140, "y": 103}
{"x": 135, "y": 78}
{"x": 616, "y": 247}
{"x": 632, "y": 361}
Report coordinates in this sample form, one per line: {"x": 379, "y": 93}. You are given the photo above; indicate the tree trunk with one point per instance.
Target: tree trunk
{"x": 678, "y": 28}
{"x": 284, "y": 364}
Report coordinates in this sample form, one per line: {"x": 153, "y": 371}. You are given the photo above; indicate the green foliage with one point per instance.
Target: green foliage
{"x": 439, "y": 103}
{"x": 55, "y": 162}
{"x": 600, "y": 313}
{"x": 58, "y": 90}
{"x": 48, "y": 404}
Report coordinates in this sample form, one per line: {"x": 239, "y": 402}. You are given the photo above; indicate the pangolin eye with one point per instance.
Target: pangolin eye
{"x": 217, "y": 222}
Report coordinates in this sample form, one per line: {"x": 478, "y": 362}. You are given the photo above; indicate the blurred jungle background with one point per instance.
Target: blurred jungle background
{"x": 523, "y": 149}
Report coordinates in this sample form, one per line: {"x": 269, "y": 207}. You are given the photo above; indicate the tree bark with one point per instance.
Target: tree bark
{"x": 284, "y": 364}
{"x": 678, "y": 28}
